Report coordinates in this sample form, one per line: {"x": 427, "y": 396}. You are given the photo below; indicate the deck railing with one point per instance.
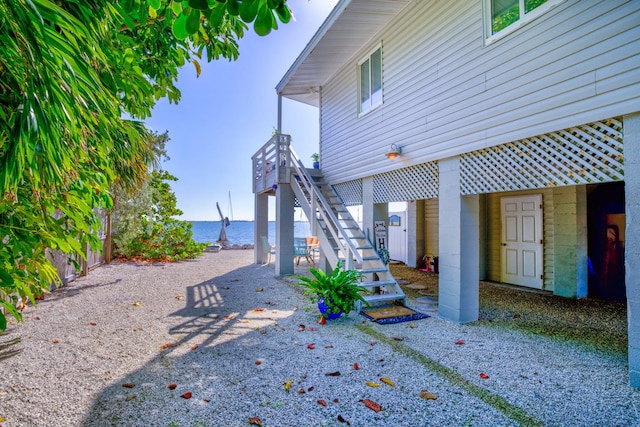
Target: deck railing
{"x": 270, "y": 164}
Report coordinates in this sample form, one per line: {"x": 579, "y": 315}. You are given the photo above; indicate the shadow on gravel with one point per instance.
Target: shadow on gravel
{"x": 217, "y": 327}
{"x": 6, "y": 347}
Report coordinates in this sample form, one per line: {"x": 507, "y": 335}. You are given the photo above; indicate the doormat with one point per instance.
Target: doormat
{"x": 392, "y": 314}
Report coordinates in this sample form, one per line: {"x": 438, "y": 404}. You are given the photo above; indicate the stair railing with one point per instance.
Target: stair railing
{"x": 312, "y": 193}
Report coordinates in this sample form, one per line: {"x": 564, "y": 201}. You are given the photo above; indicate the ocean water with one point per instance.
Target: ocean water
{"x": 240, "y": 232}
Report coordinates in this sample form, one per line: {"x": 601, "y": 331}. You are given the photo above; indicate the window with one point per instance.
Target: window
{"x": 504, "y": 16}
{"x": 370, "y": 81}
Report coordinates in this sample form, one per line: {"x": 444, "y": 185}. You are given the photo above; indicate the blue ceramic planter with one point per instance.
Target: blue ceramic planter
{"x": 323, "y": 309}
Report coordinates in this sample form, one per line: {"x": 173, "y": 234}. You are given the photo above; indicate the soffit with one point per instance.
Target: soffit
{"x": 350, "y": 25}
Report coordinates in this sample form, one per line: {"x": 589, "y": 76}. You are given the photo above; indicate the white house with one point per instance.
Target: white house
{"x": 516, "y": 125}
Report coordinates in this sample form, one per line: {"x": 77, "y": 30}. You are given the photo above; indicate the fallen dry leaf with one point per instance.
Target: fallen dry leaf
{"x": 356, "y": 367}
{"x": 195, "y": 346}
{"x": 258, "y": 310}
{"x": 322, "y": 402}
{"x": 332, "y": 374}
{"x": 186, "y": 395}
{"x": 459, "y": 342}
{"x": 328, "y": 346}
{"x": 258, "y": 362}
{"x": 287, "y": 385}
{"x": 301, "y": 391}
{"x": 255, "y": 421}
{"x": 372, "y": 384}
{"x": 229, "y": 316}
{"x": 484, "y": 376}
{"x": 93, "y": 323}
{"x": 387, "y": 381}
{"x": 336, "y": 400}
{"x": 137, "y": 303}
{"x": 426, "y": 395}
{"x": 310, "y": 388}
{"x": 167, "y": 345}
{"x": 413, "y": 325}
{"x": 179, "y": 297}
{"x": 311, "y": 346}
{"x": 128, "y": 385}
{"x": 172, "y": 386}
{"x": 55, "y": 341}
{"x": 398, "y": 338}
{"x": 259, "y": 290}
{"x": 301, "y": 328}
{"x": 371, "y": 405}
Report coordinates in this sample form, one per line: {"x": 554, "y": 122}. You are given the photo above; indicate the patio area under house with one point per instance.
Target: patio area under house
{"x": 510, "y": 128}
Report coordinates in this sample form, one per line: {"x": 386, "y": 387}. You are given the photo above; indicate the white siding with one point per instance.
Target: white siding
{"x": 445, "y": 93}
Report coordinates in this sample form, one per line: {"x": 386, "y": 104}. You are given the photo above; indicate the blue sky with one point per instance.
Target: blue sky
{"x": 229, "y": 112}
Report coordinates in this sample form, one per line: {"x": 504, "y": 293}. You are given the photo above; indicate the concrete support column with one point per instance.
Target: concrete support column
{"x": 367, "y": 208}
{"x": 260, "y": 225}
{"x": 459, "y": 247}
{"x": 285, "y": 211}
{"x": 570, "y": 234}
{"x": 415, "y": 233}
{"x": 632, "y": 244}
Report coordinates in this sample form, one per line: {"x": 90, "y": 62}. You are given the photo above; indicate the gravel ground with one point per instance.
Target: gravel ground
{"x": 105, "y": 350}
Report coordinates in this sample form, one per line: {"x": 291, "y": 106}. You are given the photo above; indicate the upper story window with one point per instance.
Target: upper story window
{"x": 504, "y": 16}
{"x": 370, "y": 81}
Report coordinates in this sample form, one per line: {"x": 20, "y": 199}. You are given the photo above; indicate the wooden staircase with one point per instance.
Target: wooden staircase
{"x": 340, "y": 236}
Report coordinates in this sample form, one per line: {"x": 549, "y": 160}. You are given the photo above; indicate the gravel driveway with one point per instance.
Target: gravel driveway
{"x": 219, "y": 341}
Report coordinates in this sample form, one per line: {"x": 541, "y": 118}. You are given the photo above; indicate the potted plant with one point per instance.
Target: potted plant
{"x": 315, "y": 157}
{"x": 336, "y": 293}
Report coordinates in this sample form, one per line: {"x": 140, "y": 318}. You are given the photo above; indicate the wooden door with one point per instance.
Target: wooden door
{"x": 522, "y": 240}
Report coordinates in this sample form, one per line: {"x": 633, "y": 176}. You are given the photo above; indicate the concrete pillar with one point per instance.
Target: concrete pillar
{"x": 415, "y": 233}
{"x": 571, "y": 243}
{"x": 285, "y": 212}
{"x": 260, "y": 225}
{"x": 459, "y": 233}
{"x": 632, "y": 244}
{"x": 367, "y": 208}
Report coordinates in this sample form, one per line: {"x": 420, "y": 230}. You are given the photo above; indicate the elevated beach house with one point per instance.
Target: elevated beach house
{"x": 510, "y": 127}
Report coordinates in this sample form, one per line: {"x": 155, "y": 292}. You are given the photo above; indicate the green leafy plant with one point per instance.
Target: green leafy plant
{"x": 339, "y": 290}
{"x": 315, "y": 157}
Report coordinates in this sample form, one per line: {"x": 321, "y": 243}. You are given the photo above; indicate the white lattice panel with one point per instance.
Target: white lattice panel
{"x": 350, "y": 192}
{"x": 412, "y": 183}
{"x": 585, "y": 154}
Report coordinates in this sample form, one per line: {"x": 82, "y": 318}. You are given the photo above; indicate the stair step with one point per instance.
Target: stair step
{"x": 384, "y": 297}
{"x": 376, "y": 283}
{"x": 372, "y": 270}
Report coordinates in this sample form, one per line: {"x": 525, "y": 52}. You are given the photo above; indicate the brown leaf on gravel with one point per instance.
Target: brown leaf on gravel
{"x": 302, "y": 328}
{"x": 459, "y": 342}
{"x": 137, "y": 303}
{"x": 258, "y": 362}
{"x": 387, "y": 381}
{"x": 301, "y": 391}
{"x": 55, "y": 341}
{"x": 356, "y": 367}
{"x": 186, "y": 395}
{"x": 413, "y": 325}
{"x": 195, "y": 346}
{"x": 128, "y": 385}
{"x": 484, "y": 376}
{"x": 179, "y": 297}
{"x": 398, "y": 338}
{"x": 258, "y": 310}
{"x": 287, "y": 385}
{"x": 428, "y": 396}
{"x": 310, "y": 388}
{"x": 230, "y": 316}
{"x": 322, "y": 402}
{"x": 259, "y": 290}
{"x": 255, "y": 421}
{"x": 172, "y": 386}
{"x": 336, "y": 400}
{"x": 332, "y": 374}
{"x": 328, "y": 346}
{"x": 168, "y": 345}
{"x": 371, "y": 405}
{"x": 311, "y": 346}
{"x": 93, "y": 323}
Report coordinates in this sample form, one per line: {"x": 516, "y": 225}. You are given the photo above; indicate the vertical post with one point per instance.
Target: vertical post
{"x": 107, "y": 249}
{"x": 260, "y": 226}
{"x": 632, "y": 244}
{"x": 459, "y": 237}
{"x": 279, "y": 113}
{"x": 285, "y": 213}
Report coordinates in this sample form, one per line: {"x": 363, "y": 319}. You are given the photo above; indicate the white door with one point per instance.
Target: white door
{"x": 397, "y": 232}
{"x": 522, "y": 240}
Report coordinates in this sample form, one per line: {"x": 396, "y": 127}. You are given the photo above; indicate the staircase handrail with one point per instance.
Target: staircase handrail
{"x": 337, "y": 231}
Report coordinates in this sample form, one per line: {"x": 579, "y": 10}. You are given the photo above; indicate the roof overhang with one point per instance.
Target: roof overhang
{"x": 349, "y": 26}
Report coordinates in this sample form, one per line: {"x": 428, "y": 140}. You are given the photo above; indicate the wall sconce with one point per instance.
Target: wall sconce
{"x": 394, "y": 151}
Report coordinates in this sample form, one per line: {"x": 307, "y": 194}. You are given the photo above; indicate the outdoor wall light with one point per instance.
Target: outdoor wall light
{"x": 394, "y": 151}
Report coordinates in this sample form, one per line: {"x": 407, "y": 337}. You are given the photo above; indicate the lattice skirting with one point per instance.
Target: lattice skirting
{"x": 350, "y": 192}
{"x": 587, "y": 154}
{"x": 412, "y": 183}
